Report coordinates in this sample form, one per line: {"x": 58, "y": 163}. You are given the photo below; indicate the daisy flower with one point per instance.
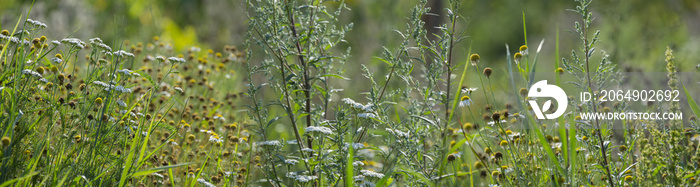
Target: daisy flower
{"x": 465, "y": 101}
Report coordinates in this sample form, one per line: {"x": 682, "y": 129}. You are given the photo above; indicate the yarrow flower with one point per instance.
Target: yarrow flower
{"x": 205, "y": 183}
{"x": 122, "y": 89}
{"x": 128, "y": 72}
{"x": 176, "y": 60}
{"x": 324, "y": 130}
{"x": 31, "y": 72}
{"x": 465, "y": 101}
{"x": 121, "y": 103}
{"x": 56, "y": 60}
{"x": 398, "y": 133}
{"x": 160, "y": 58}
{"x": 358, "y": 163}
{"x": 301, "y": 178}
{"x": 366, "y": 115}
{"x": 36, "y": 23}
{"x": 74, "y": 42}
{"x": 367, "y": 108}
{"x": 122, "y": 53}
{"x": 291, "y": 162}
{"x": 368, "y": 173}
{"x": 357, "y": 146}
{"x": 273, "y": 143}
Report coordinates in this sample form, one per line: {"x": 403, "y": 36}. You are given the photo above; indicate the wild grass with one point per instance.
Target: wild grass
{"x": 281, "y": 110}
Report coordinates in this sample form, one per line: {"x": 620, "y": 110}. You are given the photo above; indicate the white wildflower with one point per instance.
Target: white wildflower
{"x": 304, "y": 178}
{"x": 291, "y": 162}
{"x": 494, "y": 122}
{"x": 398, "y": 133}
{"x": 207, "y": 184}
{"x": 36, "y": 23}
{"x": 122, "y": 53}
{"x": 366, "y": 115}
{"x": 358, "y": 163}
{"x": 215, "y": 139}
{"x": 121, "y": 103}
{"x": 358, "y": 146}
{"x": 195, "y": 49}
{"x": 56, "y": 60}
{"x": 31, "y": 72}
{"x": 122, "y": 89}
{"x": 367, "y": 184}
{"x": 469, "y": 90}
{"x": 369, "y": 173}
{"x": 307, "y": 150}
{"x": 219, "y": 117}
{"x": 324, "y": 130}
{"x": 176, "y": 60}
{"x": 160, "y": 58}
{"x": 465, "y": 101}
{"x": 273, "y": 143}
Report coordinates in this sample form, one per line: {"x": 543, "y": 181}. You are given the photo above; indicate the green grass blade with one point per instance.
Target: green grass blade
{"x": 349, "y": 170}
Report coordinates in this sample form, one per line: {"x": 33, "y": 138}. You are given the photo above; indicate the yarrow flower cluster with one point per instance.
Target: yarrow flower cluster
{"x": 121, "y": 53}
{"x": 36, "y": 23}
{"x": 56, "y": 60}
{"x": 324, "y": 130}
{"x": 366, "y": 115}
{"x": 176, "y": 60}
{"x": 398, "y": 133}
{"x": 291, "y": 162}
{"x": 367, "y": 108}
{"x": 121, "y": 103}
{"x": 128, "y": 72}
{"x": 301, "y": 178}
{"x": 205, "y": 183}
{"x": 273, "y": 143}
{"x": 369, "y": 173}
{"x": 31, "y": 72}
{"x": 97, "y": 42}
{"x": 74, "y": 42}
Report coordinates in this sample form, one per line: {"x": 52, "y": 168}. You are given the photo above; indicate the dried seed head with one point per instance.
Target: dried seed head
{"x": 523, "y": 92}
{"x": 5, "y": 141}
{"x": 487, "y": 72}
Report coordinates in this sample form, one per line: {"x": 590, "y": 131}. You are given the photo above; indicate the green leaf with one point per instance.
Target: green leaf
{"x": 335, "y": 76}
{"x": 691, "y": 102}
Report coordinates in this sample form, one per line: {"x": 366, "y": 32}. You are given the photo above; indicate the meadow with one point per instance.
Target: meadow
{"x": 336, "y": 93}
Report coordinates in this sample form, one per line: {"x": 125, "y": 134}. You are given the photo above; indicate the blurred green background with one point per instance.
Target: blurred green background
{"x": 634, "y": 33}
